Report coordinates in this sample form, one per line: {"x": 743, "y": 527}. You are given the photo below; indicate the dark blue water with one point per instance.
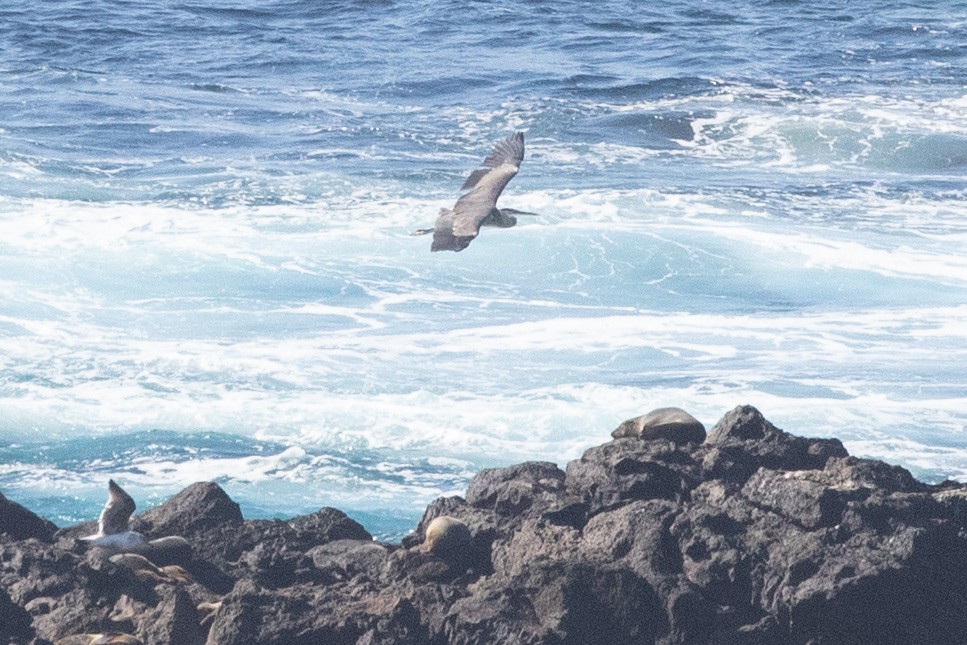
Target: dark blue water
{"x": 206, "y": 272}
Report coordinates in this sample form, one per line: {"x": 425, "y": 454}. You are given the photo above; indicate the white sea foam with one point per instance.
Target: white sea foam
{"x": 319, "y": 326}
{"x": 788, "y": 131}
{"x": 206, "y": 269}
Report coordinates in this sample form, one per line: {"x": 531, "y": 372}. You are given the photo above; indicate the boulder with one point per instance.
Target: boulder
{"x": 626, "y": 470}
{"x": 16, "y": 623}
{"x": 342, "y": 560}
{"x": 753, "y": 536}
{"x": 198, "y": 508}
{"x": 19, "y": 523}
{"x": 514, "y": 490}
{"x": 743, "y": 441}
{"x": 173, "y": 620}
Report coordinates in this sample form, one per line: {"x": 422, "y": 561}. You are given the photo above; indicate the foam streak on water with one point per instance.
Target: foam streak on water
{"x": 206, "y": 271}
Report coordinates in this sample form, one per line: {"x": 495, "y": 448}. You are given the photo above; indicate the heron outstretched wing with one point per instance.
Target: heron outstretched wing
{"x": 510, "y": 150}
{"x": 486, "y": 184}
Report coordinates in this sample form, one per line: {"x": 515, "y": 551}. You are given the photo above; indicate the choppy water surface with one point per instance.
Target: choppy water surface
{"x": 206, "y": 272}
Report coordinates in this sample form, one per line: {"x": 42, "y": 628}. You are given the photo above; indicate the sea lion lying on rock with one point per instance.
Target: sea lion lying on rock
{"x": 670, "y": 424}
{"x": 446, "y": 537}
{"x": 146, "y": 570}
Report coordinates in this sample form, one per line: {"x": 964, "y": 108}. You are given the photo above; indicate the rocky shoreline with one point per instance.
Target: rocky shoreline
{"x": 664, "y": 535}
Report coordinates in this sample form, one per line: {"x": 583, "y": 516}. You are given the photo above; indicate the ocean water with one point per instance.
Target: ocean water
{"x": 206, "y": 271}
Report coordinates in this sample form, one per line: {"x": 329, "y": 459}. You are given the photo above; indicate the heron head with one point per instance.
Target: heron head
{"x": 508, "y": 217}
{"x": 513, "y": 212}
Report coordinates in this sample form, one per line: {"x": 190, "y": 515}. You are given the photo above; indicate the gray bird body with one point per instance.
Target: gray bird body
{"x": 455, "y": 228}
{"x": 114, "y": 536}
{"x": 112, "y": 525}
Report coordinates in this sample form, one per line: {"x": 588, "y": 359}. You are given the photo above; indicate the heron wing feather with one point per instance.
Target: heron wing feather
{"x": 509, "y": 150}
{"x": 474, "y": 206}
{"x": 474, "y": 178}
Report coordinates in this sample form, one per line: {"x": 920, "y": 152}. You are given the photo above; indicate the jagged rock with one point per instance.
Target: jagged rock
{"x": 15, "y": 621}
{"x": 626, "y": 470}
{"x": 76, "y": 612}
{"x": 300, "y": 614}
{"x": 326, "y": 525}
{"x": 172, "y": 621}
{"x": 20, "y": 524}
{"x": 513, "y": 490}
{"x": 753, "y": 536}
{"x": 198, "y": 508}
{"x": 274, "y": 551}
{"x": 347, "y": 559}
{"x": 30, "y": 569}
{"x": 592, "y": 604}
{"x": 669, "y": 424}
{"x": 753, "y": 440}
{"x": 397, "y": 622}
{"x": 274, "y": 564}
{"x": 420, "y": 566}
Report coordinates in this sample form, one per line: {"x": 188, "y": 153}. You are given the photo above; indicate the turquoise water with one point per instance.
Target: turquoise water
{"x": 206, "y": 271}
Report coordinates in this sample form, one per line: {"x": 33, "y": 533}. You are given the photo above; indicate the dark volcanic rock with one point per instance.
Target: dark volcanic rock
{"x": 625, "y": 470}
{"x": 20, "y": 524}
{"x": 347, "y": 559}
{"x": 302, "y": 615}
{"x": 15, "y": 621}
{"x": 746, "y": 434}
{"x": 30, "y": 569}
{"x": 198, "y": 508}
{"x": 173, "y": 620}
{"x": 514, "y": 490}
{"x": 325, "y": 525}
{"x": 274, "y": 551}
{"x": 753, "y": 536}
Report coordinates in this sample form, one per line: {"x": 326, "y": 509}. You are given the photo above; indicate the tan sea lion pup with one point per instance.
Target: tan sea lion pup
{"x": 445, "y": 536}
{"x": 144, "y": 569}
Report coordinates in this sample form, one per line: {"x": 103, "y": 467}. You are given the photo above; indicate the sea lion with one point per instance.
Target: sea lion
{"x": 172, "y": 549}
{"x": 146, "y": 570}
{"x": 446, "y": 536}
{"x": 670, "y": 424}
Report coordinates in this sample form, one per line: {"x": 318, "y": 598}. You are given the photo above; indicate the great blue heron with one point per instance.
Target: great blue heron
{"x": 455, "y": 229}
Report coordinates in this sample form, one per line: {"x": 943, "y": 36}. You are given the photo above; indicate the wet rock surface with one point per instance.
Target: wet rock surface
{"x": 753, "y": 535}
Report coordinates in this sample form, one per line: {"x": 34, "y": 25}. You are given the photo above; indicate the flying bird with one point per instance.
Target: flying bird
{"x": 112, "y": 525}
{"x": 455, "y": 228}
